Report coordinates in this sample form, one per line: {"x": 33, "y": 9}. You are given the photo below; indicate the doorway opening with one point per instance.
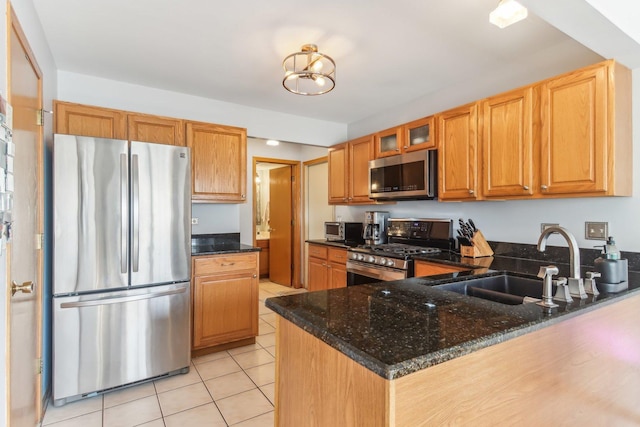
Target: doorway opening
{"x": 277, "y": 219}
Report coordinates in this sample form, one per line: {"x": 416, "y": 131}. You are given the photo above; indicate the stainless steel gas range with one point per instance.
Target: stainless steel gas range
{"x": 394, "y": 260}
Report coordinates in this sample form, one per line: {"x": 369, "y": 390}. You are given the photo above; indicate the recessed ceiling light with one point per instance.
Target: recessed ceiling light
{"x": 508, "y": 12}
{"x": 273, "y": 142}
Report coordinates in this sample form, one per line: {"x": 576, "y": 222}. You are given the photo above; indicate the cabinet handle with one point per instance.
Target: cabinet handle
{"x": 244, "y": 196}
{"x": 526, "y": 187}
{"x": 255, "y": 275}
{"x": 544, "y": 187}
{"x": 405, "y": 147}
{"x": 397, "y": 149}
{"x": 471, "y": 191}
{"x": 227, "y": 264}
{"x": 328, "y": 266}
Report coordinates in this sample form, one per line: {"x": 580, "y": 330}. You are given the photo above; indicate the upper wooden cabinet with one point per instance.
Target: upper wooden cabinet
{"x": 161, "y": 130}
{"x": 586, "y": 132}
{"x": 458, "y": 153}
{"x": 568, "y": 136}
{"x": 219, "y": 162}
{"x": 507, "y": 144}
{"x": 349, "y": 171}
{"x": 87, "y": 120}
{"x": 413, "y": 136}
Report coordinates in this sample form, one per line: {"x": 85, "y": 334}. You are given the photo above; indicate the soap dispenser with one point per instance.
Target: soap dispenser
{"x": 612, "y": 268}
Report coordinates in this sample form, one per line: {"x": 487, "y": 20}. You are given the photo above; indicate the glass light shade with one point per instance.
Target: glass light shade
{"x": 508, "y": 12}
{"x": 309, "y": 72}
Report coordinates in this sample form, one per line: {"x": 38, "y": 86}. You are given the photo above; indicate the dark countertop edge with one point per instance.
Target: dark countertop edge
{"x": 242, "y": 248}
{"x": 401, "y": 369}
{"x": 336, "y": 244}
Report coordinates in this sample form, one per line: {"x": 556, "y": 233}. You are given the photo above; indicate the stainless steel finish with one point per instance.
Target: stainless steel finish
{"x": 25, "y": 288}
{"x": 576, "y": 286}
{"x": 87, "y": 222}
{"x": 164, "y": 209}
{"x": 102, "y": 300}
{"x": 546, "y": 274}
{"x": 590, "y": 286}
{"x": 375, "y": 227}
{"x": 562, "y": 290}
{"x": 108, "y": 345}
{"x": 407, "y": 188}
{"x": 401, "y": 264}
{"x": 122, "y": 264}
{"x": 376, "y": 272}
{"x": 135, "y": 213}
{"x": 124, "y": 209}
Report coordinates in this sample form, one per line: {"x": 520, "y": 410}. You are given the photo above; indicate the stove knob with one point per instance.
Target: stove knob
{"x": 371, "y": 258}
{"x": 360, "y": 257}
{"x": 390, "y": 263}
{"x": 382, "y": 261}
{"x": 353, "y": 256}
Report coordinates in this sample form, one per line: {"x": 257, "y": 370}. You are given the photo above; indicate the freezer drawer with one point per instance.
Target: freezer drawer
{"x": 111, "y": 339}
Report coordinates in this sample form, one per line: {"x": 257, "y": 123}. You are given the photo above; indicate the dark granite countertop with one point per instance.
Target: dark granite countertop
{"x": 215, "y": 244}
{"x": 396, "y": 328}
{"x": 343, "y": 245}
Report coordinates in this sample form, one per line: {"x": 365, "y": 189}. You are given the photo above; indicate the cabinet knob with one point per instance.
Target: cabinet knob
{"x": 255, "y": 275}
{"x": 471, "y": 191}
{"x": 544, "y": 187}
{"x": 405, "y": 147}
{"x": 526, "y": 187}
{"x": 244, "y": 196}
{"x": 397, "y": 149}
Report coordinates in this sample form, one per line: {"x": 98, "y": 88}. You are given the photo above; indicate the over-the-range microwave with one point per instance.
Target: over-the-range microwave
{"x": 408, "y": 176}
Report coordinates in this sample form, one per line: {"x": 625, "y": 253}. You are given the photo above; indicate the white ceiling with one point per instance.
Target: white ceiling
{"x": 388, "y": 52}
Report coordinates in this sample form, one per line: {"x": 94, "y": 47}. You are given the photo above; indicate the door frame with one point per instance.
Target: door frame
{"x": 13, "y": 24}
{"x": 296, "y": 279}
{"x": 305, "y": 198}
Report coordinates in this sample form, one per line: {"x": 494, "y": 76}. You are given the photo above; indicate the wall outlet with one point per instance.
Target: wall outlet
{"x": 596, "y": 230}
{"x": 194, "y": 221}
{"x": 545, "y": 225}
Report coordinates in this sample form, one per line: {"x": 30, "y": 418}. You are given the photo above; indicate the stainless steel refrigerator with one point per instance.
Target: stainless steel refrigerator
{"x": 121, "y": 264}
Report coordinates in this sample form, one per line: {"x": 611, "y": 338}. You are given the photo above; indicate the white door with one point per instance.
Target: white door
{"x": 24, "y": 257}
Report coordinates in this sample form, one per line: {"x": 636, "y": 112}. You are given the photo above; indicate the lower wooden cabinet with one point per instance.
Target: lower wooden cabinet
{"x": 425, "y": 268}
{"x": 225, "y": 300}
{"x": 327, "y": 267}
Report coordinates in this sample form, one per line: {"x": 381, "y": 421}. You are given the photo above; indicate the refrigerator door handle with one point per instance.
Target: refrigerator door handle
{"x": 135, "y": 188}
{"x": 123, "y": 212}
{"x": 120, "y": 300}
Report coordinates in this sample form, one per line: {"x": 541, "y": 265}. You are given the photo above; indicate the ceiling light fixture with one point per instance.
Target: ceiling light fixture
{"x": 309, "y": 72}
{"x": 508, "y": 12}
{"x": 273, "y": 142}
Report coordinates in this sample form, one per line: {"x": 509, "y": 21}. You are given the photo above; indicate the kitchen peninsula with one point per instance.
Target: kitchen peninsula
{"x": 406, "y": 353}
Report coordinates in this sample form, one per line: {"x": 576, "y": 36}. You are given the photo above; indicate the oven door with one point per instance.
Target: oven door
{"x": 360, "y": 273}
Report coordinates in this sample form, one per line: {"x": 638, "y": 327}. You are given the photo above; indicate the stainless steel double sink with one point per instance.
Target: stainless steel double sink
{"x": 503, "y": 288}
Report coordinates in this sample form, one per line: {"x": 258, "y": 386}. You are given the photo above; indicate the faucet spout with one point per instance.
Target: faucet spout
{"x": 574, "y": 251}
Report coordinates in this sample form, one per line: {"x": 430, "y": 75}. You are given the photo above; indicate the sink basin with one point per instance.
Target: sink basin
{"x": 504, "y": 288}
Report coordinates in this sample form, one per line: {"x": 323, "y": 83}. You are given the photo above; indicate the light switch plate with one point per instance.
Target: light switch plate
{"x": 194, "y": 221}
{"x": 596, "y": 230}
{"x": 545, "y": 225}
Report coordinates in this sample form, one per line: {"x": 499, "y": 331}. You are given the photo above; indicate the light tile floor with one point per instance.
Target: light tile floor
{"x": 228, "y": 388}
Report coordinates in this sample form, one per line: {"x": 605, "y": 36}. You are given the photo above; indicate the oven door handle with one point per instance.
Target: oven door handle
{"x": 379, "y": 273}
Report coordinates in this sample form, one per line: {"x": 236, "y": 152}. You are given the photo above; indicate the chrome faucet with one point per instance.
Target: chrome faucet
{"x": 575, "y": 282}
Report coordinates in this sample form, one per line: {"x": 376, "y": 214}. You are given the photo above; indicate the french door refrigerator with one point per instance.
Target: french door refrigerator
{"x": 121, "y": 264}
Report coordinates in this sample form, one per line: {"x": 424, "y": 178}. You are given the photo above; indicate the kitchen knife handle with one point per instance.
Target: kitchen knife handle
{"x": 135, "y": 201}
{"x": 123, "y": 212}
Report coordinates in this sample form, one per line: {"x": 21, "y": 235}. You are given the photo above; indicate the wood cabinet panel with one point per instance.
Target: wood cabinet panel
{"x": 507, "y": 144}
{"x": 360, "y": 153}
{"x": 349, "y": 171}
{"x": 225, "y": 300}
{"x": 338, "y": 173}
{"x": 389, "y": 142}
{"x": 224, "y": 309}
{"x": 87, "y": 120}
{"x": 219, "y": 162}
{"x": 159, "y": 130}
{"x": 457, "y": 153}
{"x": 574, "y": 133}
{"x": 263, "y": 244}
{"x": 424, "y": 268}
{"x": 327, "y": 267}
